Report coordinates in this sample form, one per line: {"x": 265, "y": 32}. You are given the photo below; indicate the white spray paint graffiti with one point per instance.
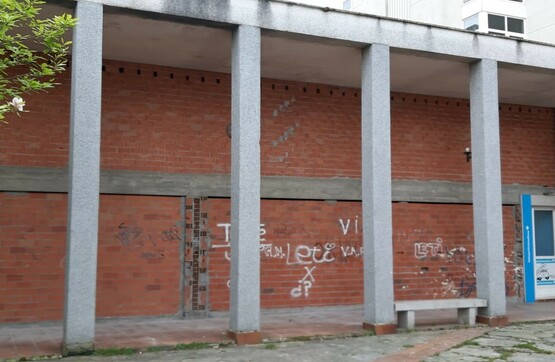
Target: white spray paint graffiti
{"x": 304, "y": 284}
{"x": 345, "y": 225}
{"x": 422, "y": 250}
{"x": 227, "y": 228}
{"x": 303, "y": 255}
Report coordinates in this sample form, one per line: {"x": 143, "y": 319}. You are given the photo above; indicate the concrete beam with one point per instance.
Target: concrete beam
{"x": 486, "y": 185}
{"x": 350, "y": 28}
{"x": 84, "y": 179}
{"x": 45, "y": 179}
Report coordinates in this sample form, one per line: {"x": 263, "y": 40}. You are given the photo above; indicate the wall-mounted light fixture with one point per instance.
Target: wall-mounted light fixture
{"x": 468, "y": 154}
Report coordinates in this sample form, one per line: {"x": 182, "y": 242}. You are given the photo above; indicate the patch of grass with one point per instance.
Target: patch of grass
{"x": 106, "y": 352}
{"x": 503, "y": 352}
{"x": 34, "y": 358}
{"x": 302, "y": 338}
{"x": 505, "y": 355}
{"x": 369, "y": 333}
{"x": 532, "y": 347}
{"x": 470, "y": 342}
{"x": 157, "y": 349}
{"x": 270, "y": 346}
{"x": 191, "y": 346}
{"x": 408, "y": 345}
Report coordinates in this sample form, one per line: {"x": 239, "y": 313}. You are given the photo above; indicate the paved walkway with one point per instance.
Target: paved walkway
{"x": 45, "y": 339}
{"x": 517, "y": 343}
{"x": 381, "y": 348}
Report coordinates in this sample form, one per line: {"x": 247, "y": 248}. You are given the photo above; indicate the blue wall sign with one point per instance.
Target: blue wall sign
{"x": 528, "y": 249}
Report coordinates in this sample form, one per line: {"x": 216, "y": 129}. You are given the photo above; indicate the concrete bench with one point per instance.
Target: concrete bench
{"x": 466, "y": 309}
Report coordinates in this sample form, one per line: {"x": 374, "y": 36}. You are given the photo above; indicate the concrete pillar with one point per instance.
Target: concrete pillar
{"x": 245, "y": 186}
{"x": 84, "y": 172}
{"x": 486, "y": 191}
{"x": 376, "y": 190}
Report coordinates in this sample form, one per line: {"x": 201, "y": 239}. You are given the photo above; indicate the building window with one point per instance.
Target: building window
{"x": 515, "y": 25}
{"x": 496, "y": 22}
{"x": 505, "y": 25}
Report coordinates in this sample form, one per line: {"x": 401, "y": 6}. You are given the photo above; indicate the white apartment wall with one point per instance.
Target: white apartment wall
{"x": 375, "y": 7}
{"x": 540, "y": 24}
{"x": 539, "y": 15}
{"x": 503, "y": 7}
{"x": 482, "y": 8}
{"x": 399, "y": 9}
{"x": 441, "y": 12}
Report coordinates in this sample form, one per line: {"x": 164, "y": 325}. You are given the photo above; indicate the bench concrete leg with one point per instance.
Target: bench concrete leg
{"x": 467, "y": 316}
{"x": 405, "y": 319}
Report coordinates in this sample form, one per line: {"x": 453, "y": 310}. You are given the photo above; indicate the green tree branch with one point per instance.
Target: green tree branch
{"x": 23, "y": 69}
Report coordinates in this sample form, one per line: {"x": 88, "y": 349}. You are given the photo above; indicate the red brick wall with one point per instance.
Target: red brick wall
{"x": 138, "y": 256}
{"x": 314, "y": 241}
{"x": 176, "y": 122}
{"x": 303, "y": 240}
{"x": 32, "y": 250}
{"x": 320, "y": 242}
{"x": 434, "y": 251}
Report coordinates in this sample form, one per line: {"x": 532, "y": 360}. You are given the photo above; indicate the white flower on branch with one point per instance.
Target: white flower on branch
{"x": 17, "y": 103}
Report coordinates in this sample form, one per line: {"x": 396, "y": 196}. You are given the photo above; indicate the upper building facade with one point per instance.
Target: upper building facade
{"x": 528, "y": 19}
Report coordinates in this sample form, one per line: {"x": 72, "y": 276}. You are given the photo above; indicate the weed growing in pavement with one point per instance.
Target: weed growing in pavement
{"x": 106, "y": 352}
{"x": 532, "y": 347}
{"x": 470, "y": 342}
{"x": 192, "y": 346}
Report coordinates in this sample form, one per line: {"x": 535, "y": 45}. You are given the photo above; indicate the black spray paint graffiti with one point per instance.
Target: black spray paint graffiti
{"x": 468, "y": 286}
{"x": 171, "y": 234}
{"x": 134, "y": 238}
{"x": 437, "y": 249}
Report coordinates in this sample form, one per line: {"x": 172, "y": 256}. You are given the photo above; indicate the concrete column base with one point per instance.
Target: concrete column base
{"x": 380, "y": 329}
{"x": 498, "y": 321}
{"x": 242, "y": 338}
{"x": 76, "y": 349}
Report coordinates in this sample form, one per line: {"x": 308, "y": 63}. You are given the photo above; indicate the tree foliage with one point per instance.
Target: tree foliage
{"x": 32, "y": 51}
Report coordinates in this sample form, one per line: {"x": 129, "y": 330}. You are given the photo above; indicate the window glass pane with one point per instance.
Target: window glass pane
{"x": 543, "y": 232}
{"x": 515, "y": 25}
{"x": 496, "y": 22}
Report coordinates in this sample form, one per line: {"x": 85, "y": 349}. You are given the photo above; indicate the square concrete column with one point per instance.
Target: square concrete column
{"x": 84, "y": 172}
{"x": 245, "y": 186}
{"x": 376, "y": 190}
{"x": 486, "y": 191}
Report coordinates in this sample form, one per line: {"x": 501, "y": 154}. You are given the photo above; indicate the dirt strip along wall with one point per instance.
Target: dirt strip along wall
{"x": 159, "y": 119}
